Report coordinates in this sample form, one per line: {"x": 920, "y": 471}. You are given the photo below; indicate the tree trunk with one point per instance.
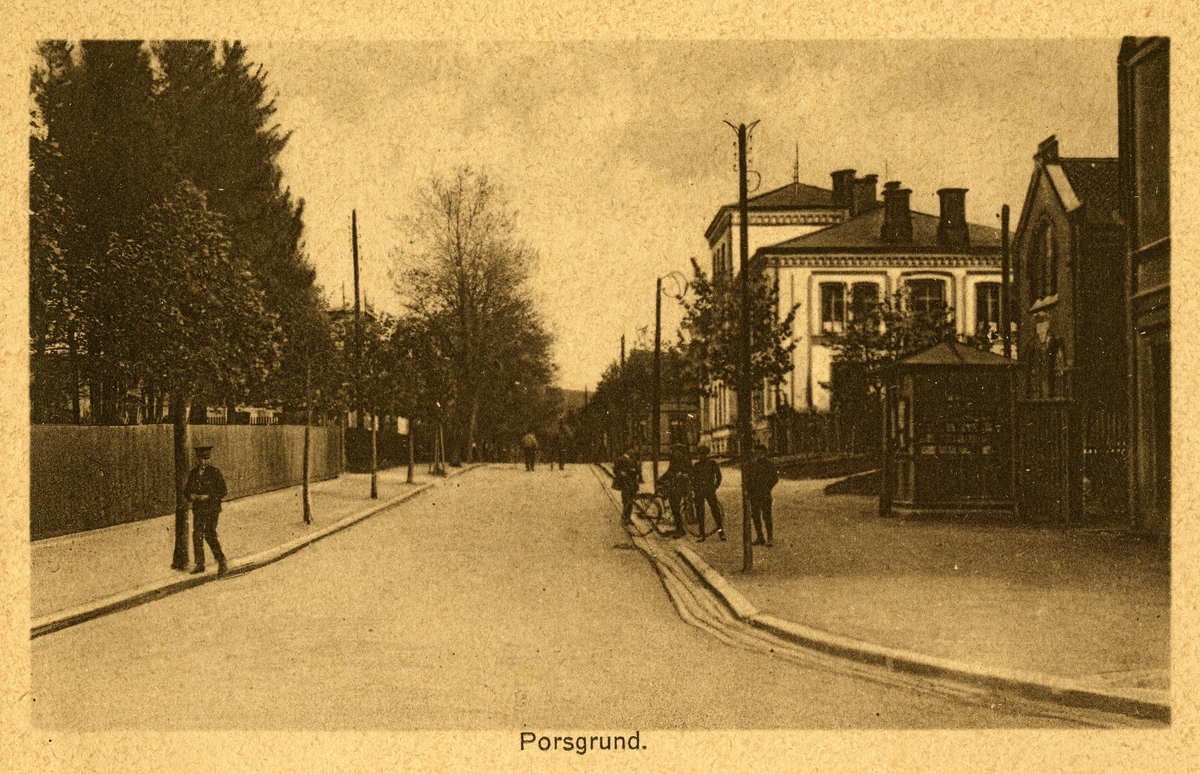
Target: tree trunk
{"x": 73, "y": 348}
{"x": 374, "y": 456}
{"x": 471, "y": 427}
{"x": 180, "y": 404}
{"x": 308, "y": 416}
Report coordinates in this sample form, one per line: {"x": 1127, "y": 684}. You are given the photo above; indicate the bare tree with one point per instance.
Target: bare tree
{"x": 465, "y": 282}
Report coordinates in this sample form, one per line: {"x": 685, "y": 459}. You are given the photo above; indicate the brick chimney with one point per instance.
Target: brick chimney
{"x": 897, "y": 219}
{"x": 952, "y": 225}
{"x": 864, "y": 195}
{"x": 843, "y": 189}
{"x": 1047, "y": 151}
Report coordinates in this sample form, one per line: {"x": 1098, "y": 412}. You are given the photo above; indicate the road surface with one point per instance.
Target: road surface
{"x": 501, "y": 600}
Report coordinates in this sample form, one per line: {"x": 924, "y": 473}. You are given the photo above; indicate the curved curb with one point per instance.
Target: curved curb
{"x": 125, "y": 600}
{"x": 1139, "y": 703}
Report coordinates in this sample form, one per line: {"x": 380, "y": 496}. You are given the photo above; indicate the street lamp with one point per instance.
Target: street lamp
{"x": 676, "y": 287}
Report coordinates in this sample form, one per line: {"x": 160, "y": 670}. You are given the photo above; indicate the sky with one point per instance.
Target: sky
{"x": 615, "y": 156}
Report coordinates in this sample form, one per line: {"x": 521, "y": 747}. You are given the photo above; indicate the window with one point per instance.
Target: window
{"x": 863, "y": 298}
{"x": 926, "y": 295}
{"x": 987, "y": 309}
{"x": 1043, "y": 264}
{"x": 833, "y": 307}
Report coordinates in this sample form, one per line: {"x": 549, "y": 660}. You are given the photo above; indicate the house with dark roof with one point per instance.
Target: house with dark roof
{"x": 1069, "y": 285}
{"x": 1067, "y": 253}
{"x": 853, "y": 251}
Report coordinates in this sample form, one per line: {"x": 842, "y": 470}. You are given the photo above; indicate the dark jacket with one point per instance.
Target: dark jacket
{"x": 210, "y": 483}
{"x": 678, "y": 476}
{"x": 706, "y": 475}
{"x": 626, "y": 475}
{"x": 761, "y": 478}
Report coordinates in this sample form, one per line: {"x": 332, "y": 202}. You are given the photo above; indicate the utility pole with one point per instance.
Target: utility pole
{"x": 357, "y": 324}
{"x": 1005, "y": 289}
{"x": 745, "y": 440}
{"x": 655, "y": 428}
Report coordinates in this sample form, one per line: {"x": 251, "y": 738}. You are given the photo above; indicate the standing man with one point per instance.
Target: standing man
{"x": 676, "y": 481}
{"x": 706, "y": 477}
{"x": 561, "y": 449}
{"x": 761, "y": 478}
{"x": 205, "y": 490}
{"x": 626, "y": 476}
{"x": 530, "y": 445}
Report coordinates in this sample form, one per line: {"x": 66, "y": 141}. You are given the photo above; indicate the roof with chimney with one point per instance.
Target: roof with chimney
{"x": 793, "y": 196}
{"x": 864, "y": 234}
{"x": 1088, "y": 185}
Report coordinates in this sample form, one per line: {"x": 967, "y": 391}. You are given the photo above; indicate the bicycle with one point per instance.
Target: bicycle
{"x": 653, "y": 513}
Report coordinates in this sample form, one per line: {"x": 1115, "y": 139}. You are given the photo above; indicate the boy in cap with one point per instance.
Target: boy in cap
{"x": 761, "y": 478}
{"x": 205, "y": 489}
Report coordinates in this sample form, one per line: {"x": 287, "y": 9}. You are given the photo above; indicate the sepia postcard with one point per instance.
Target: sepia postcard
{"x": 561, "y": 390}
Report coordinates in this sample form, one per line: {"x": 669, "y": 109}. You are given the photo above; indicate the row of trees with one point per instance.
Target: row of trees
{"x": 166, "y": 261}
{"x": 168, "y": 268}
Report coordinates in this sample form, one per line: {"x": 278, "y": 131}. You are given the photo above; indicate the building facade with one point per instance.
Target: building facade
{"x": 1069, "y": 266}
{"x": 867, "y": 251}
{"x": 1143, "y": 96}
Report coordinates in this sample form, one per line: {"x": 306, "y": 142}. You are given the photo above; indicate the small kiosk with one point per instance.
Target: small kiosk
{"x": 948, "y": 434}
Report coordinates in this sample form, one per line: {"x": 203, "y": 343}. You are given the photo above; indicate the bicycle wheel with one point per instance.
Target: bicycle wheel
{"x": 646, "y": 513}
{"x": 666, "y": 521}
{"x": 691, "y": 521}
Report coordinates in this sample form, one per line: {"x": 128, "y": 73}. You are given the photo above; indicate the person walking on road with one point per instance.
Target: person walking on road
{"x": 676, "y": 481}
{"x": 530, "y": 446}
{"x": 627, "y": 474}
{"x": 706, "y": 478}
{"x": 761, "y": 478}
{"x": 205, "y": 489}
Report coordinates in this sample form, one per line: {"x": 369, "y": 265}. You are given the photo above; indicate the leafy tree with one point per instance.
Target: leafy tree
{"x": 710, "y": 335}
{"x": 465, "y": 284}
{"x": 97, "y": 159}
{"x": 218, "y": 119}
{"x": 186, "y": 317}
{"x": 884, "y": 333}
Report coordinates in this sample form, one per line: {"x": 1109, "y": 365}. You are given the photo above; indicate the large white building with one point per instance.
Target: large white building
{"x": 837, "y": 251}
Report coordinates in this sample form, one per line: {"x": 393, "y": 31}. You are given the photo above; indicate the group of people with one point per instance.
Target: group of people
{"x": 702, "y": 479}
{"x": 529, "y": 445}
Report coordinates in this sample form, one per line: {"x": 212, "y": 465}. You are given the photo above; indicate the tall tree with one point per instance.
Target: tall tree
{"x": 465, "y": 282}
{"x": 201, "y": 327}
{"x": 219, "y": 119}
{"x": 102, "y": 158}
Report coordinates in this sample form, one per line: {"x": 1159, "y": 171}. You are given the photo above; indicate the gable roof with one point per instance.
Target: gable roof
{"x": 793, "y": 196}
{"x": 863, "y": 233}
{"x": 1091, "y": 183}
{"x": 951, "y": 353}
{"x": 1095, "y": 185}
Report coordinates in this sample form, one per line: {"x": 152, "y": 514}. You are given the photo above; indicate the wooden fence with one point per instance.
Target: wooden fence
{"x": 88, "y": 477}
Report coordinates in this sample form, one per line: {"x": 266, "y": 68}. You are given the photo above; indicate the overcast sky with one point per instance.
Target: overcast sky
{"x": 615, "y": 157}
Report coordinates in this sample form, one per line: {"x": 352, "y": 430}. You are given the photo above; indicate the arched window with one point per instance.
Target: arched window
{"x": 1043, "y": 264}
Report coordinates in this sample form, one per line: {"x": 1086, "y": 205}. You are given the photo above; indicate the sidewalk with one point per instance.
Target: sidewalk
{"x": 74, "y": 570}
{"x": 1092, "y": 607}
